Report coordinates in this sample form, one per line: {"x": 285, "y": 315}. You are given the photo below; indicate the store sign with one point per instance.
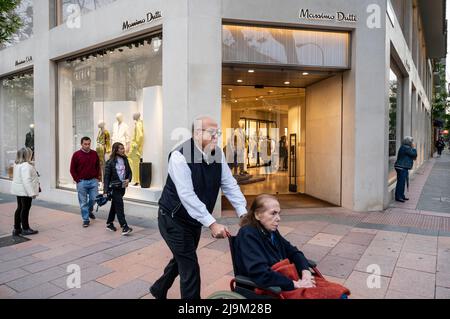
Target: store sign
{"x": 306, "y": 14}
{"x": 149, "y": 17}
{"x": 28, "y": 59}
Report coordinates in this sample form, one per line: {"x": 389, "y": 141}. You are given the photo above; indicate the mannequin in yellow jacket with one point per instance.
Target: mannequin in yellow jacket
{"x": 137, "y": 145}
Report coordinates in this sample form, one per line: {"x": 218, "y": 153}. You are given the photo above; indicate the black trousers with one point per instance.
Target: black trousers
{"x": 22, "y": 212}
{"x": 117, "y": 207}
{"x": 183, "y": 242}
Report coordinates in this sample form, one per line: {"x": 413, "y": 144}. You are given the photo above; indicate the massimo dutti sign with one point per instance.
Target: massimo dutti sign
{"x": 306, "y": 14}
{"x": 149, "y": 17}
{"x": 28, "y": 59}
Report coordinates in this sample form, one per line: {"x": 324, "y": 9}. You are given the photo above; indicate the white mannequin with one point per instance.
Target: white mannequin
{"x": 120, "y": 132}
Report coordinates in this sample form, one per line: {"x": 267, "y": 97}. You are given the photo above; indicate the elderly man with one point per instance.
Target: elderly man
{"x": 197, "y": 171}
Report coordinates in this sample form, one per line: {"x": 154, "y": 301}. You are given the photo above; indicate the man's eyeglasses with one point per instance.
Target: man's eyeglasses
{"x": 213, "y": 132}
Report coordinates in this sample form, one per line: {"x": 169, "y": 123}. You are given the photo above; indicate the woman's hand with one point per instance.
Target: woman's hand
{"x": 303, "y": 283}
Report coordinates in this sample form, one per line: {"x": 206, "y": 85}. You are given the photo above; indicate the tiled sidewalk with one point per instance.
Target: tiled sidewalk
{"x": 411, "y": 247}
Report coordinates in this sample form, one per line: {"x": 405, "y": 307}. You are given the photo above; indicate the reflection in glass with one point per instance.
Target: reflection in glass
{"x": 25, "y": 12}
{"x": 85, "y": 6}
{"x": 16, "y": 119}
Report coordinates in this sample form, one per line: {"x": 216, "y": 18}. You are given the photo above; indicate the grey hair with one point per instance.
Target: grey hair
{"x": 199, "y": 120}
{"x": 408, "y": 140}
{"x": 24, "y": 155}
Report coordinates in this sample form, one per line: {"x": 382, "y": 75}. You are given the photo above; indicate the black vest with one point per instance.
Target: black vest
{"x": 206, "y": 179}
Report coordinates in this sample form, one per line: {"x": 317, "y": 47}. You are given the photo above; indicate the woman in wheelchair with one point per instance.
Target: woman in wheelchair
{"x": 269, "y": 260}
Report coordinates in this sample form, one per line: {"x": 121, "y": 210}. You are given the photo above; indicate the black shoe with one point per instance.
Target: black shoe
{"x": 86, "y": 224}
{"x": 405, "y": 198}
{"x": 30, "y": 231}
{"x": 399, "y": 200}
{"x": 91, "y": 216}
{"x": 126, "y": 230}
{"x": 111, "y": 227}
{"x": 17, "y": 232}
{"x": 155, "y": 294}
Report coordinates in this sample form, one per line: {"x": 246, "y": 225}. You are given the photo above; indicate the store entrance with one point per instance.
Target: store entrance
{"x": 264, "y": 118}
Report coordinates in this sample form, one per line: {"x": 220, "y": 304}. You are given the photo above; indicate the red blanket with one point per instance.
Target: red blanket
{"x": 323, "y": 290}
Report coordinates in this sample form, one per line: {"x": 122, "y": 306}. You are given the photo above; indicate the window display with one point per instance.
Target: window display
{"x": 109, "y": 95}
{"x": 16, "y": 119}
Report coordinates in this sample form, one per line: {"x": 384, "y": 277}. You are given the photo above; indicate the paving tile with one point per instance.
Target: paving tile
{"x": 365, "y": 286}
{"x": 390, "y": 237}
{"x": 442, "y": 293}
{"x": 43, "y": 291}
{"x": 297, "y": 239}
{"x": 89, "y": 290}
{"x": 419, "y": 262}
{"x": 384, "y": 249}
{"x": 339, "y": 230}
{"x": 33, "y": 280}
{"x": 326, "y": 240}
{"x": 349, "y": 251}
{"x": 421, "y": 244}
{"x": 413, "y": 282}
{"x": 221, "y": 245}
{"x": 13, "y": 274}
{"x": 86, "y": 275}
{"x": 118, "y": 278}
{"x": 386, "y": 264}
{"x": 22, "y": 253}
{"x": 336, "y": 266}
{"x": 364, "y": 231}
{"x": 358, "y": 238}
{"x": 6, "y": 292}
{"x": 443, "y": 279}
{"x": 392, "y": 294}
{"x": 135, "y": 289}
{"x": 17, "y": 263}
{"x": 315, "y": 252}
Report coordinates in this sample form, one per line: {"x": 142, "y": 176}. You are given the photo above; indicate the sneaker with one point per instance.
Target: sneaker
{"x": 30, "y": 231}
{"x": 86, "y": 224}
{"x": 126, "y": 230}
{"x": 111, "y": 227}
{"x": 91, "y": 216}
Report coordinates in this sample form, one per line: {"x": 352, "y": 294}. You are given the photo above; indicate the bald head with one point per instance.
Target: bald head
{"x": 204, "y": 132}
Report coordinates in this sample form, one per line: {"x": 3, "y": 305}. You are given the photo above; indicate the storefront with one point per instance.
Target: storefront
{"x": 313, "y": 99}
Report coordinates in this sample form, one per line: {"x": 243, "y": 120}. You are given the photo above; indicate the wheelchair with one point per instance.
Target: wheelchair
{"x": 242, "y": 287}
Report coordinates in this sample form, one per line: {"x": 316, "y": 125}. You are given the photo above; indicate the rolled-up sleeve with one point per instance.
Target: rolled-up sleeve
{"x": 182, "y": 178}
{"x": 232, "y": 190}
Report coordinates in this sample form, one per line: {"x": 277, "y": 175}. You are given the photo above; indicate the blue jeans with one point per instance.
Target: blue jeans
{"x": 87, "y": 191}
{"x": 402, "y": 175}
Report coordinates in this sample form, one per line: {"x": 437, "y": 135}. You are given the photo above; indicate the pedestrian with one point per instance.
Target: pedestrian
{"x": 407, "y": 154}
{"x": 283, "y": 149}
{"x": 440, "y": 145}
{"x": 117, "y": 178}
{"x": 197, "y": 171}
{"x": 85, "y": 171}
{"x": 25, "y": 186}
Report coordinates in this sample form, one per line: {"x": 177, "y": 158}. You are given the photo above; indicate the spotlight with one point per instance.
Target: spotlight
{"x": 156, "y": 43}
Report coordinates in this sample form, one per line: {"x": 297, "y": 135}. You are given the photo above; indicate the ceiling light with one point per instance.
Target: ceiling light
{"x": 305, "y": 73}
{"x": 251, "y": 71}
{"x": 230, "y": 90}
{"x": 287, "y": 82}
{"x": 239, "y": 81}
{"x": 156, "y": 43}
{"x": 235, "y": 101}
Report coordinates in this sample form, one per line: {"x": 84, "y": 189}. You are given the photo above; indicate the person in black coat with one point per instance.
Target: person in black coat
{"x": 117, "y": 176}
{"x": 259, "y": 246}
{"x": 407, "y": 154}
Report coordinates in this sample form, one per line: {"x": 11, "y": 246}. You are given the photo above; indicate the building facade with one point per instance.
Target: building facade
{"x": 336, "y": 83}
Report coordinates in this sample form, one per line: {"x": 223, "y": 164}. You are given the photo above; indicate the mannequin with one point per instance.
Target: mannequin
{"x": 137, "y": 145}
{"x": 29, "y": 139}
{"x": 239, "y": 147}
{"x": 120, "y": 132}
{"x": 103, "y": 144}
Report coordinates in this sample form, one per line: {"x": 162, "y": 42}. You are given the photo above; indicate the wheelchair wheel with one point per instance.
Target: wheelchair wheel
{"x": 226, "y": 295}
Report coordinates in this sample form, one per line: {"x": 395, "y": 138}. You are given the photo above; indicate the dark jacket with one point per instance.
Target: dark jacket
{"x": 406, "y": 157}
{"x": 111, "y": 179}
{"x": 255, "y": 254}
{"x": 440, "y": 144}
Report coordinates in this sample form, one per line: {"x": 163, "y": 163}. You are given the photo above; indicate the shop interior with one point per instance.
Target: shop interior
{"x": 266, "y": 122}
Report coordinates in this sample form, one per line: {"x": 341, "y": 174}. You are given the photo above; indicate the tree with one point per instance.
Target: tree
{"x": 441, "y": 105}
{"x": 10, "y": 21}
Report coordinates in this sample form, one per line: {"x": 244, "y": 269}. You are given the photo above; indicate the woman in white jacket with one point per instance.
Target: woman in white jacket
{"x": 25, "y": 186}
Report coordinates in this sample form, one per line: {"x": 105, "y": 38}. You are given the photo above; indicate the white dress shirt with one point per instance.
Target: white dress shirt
{"x": 180, "y": 174}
